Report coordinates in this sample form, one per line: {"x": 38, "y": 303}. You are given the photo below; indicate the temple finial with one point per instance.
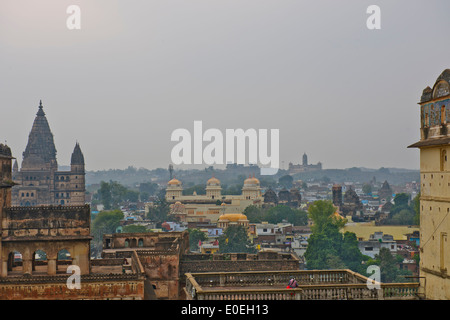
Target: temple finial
{"x": 41, "y": 109}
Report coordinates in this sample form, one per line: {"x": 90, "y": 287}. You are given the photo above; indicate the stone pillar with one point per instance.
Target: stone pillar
{"x": 51, "y": 267}
{"x": 4, "y": 268}
{"x": 27, "y": 266}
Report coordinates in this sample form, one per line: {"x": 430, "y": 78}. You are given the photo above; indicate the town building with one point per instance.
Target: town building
{"x": 212, "y": 205}
{"x": 434, "y": 146}
{"x": 39, "y": 182}
{"x": 304, "y": 167}
{"x": 377, "y": 241}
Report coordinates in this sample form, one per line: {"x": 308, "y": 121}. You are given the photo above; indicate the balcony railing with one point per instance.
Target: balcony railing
{"x": 313, "y": 285}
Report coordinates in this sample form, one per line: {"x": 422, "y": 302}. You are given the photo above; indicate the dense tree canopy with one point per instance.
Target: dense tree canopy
{"x": 112, "y": 194}
{"x": 195, "y": 235}
{"x": 103, "y": 223}
{"x": 133, "y": 228}
{"x": 286, "y": 181}
{"x": 403, "y": 212}
{"x": 389, "y": 270}
{"x": 235, "y": 239}
{"x": 159, "y": 211}
{"x": 276, "y": 214}
{"x": 327, "y": 247}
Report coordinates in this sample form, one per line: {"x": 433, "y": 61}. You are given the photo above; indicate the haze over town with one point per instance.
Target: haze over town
{"x": 132, "y": 75}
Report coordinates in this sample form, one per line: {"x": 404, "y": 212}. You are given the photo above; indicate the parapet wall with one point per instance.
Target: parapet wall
{"x": 104, "y": 287}
{"x": 193, "y": 263}
{"x": 46, "y": 221}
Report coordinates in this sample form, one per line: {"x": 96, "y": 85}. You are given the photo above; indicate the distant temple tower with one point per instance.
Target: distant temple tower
{"x": 434, "y": 148}
{"x": 305, "y": 159}
{"x": 38, "y": 181}
{"x": 337, "y": 195}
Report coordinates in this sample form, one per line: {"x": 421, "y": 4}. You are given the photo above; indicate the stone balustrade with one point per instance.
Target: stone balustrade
{"x": 313, "y": 285}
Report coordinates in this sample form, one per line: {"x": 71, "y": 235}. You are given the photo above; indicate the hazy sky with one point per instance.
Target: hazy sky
{"x": 137, "y": 70}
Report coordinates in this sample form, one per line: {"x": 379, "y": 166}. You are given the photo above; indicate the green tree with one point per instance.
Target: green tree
{"x": 105, "y": 222}
{"x": 134, "y": 228}
{"x": 254, "y": 214}
{"x": 286, "y": 181}
{"x": 159, "y": 211}
{"x": 350, "y": 253}
{"x": 322, "y": 213}
{"x": 131, "y": 196}
{"x": 104, "y": 195}
{"x": 149, "y": 188}
{"x": 403, "y": 213}
{"x": 327, "y": 247}
{"x": 323, "y": 246}
{"x": 195, "y": 235}
{"x": 401, "y": 199}
{"x": 235, "y": 239}
{"x": 112, "y": 194}
{"x": 367, "y": 189}
{"x": 389, "y": 270}
{"x": 279, "y": 213}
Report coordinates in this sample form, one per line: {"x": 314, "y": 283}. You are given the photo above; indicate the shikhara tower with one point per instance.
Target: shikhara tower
{"x": 38, "y": 181}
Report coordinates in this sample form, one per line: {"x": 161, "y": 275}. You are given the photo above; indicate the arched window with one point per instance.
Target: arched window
{"x": 39, "y": 262}
{"x": 127, "y": 243}
{"x": 140, "y": 243}
{"x": 15, "y": 263}
{"x": 63, "y": 260}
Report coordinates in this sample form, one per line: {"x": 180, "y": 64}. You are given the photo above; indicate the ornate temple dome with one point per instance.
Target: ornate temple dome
{"x": 441, "y": 87}
{"x": 233, "y": 217}
{"x": 213, "y": 182}
{"x": 174, "y": 182}
{"x": 251, "y": 181}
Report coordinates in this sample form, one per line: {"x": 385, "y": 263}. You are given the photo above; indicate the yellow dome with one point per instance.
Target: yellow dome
{"x": 251, "y": 180}
{"x": 233, "y": 217}
{"x": 174, "y": 182}
{"x": 213, "y": 181}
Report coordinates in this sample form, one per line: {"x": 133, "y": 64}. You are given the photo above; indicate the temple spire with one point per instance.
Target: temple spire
{"x": 40, "y": 151}
{"x": 41, "y": 109}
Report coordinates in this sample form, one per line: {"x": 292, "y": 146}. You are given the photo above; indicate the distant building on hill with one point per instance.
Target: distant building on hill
{"x": 304, "y": 167}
